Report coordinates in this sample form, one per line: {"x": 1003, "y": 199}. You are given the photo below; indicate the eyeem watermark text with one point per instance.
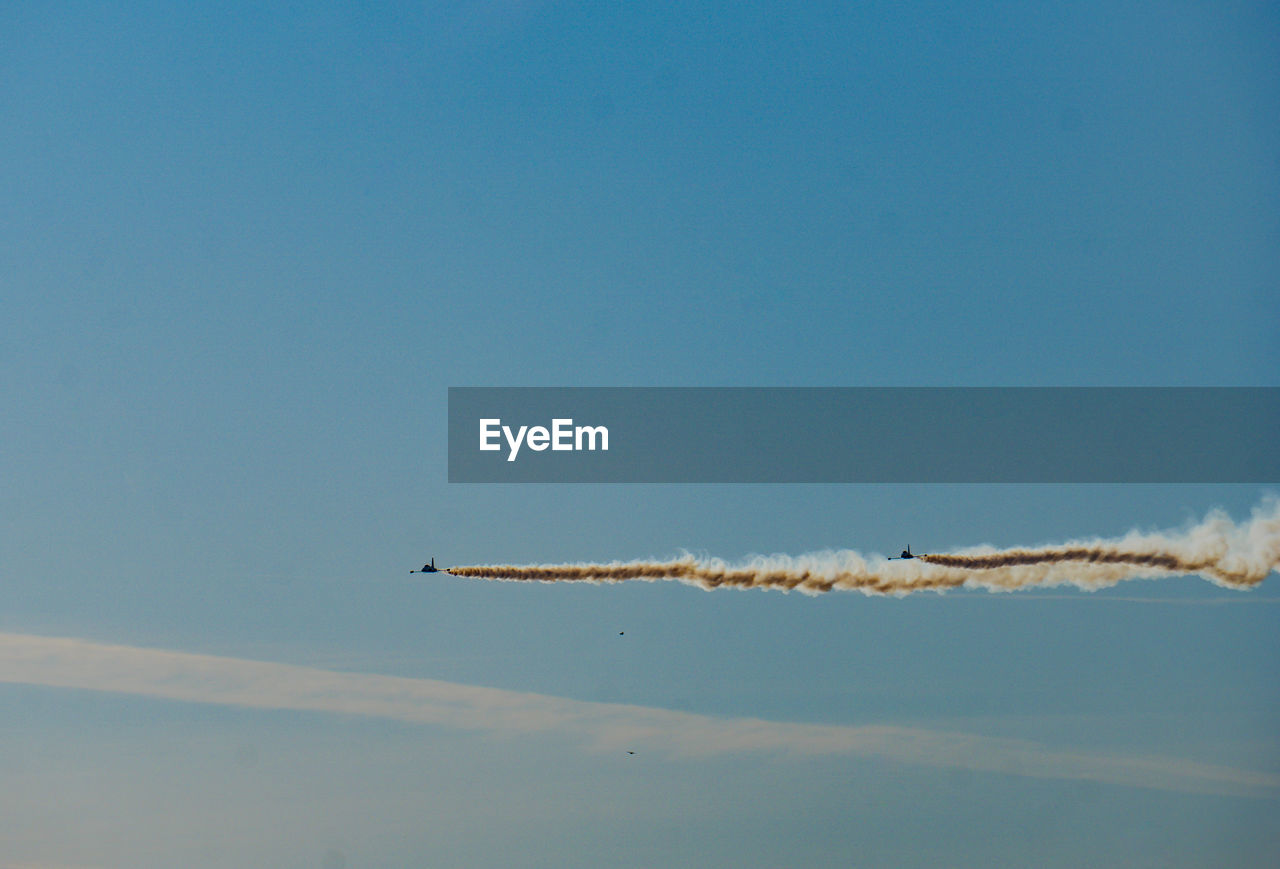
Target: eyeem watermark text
{"x": 563, "y": 435}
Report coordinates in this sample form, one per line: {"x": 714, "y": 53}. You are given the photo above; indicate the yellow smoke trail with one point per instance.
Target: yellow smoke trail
{"x": 1230, "y": 555}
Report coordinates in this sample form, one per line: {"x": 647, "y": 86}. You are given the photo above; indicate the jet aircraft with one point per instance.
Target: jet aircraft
{"x": 429, "y": 567}
{"x": 905, "y": 554}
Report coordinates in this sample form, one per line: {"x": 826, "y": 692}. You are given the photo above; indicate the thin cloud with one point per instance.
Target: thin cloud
{"x": 80, "y": 664}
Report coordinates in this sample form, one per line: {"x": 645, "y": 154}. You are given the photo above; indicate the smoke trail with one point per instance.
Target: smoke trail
{"x": 1230, "y": 555}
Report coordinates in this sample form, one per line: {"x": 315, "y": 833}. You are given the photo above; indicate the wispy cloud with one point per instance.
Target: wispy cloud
{"x": 81, "y": 664}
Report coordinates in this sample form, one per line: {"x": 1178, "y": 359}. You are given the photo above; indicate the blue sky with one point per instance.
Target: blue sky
{"x": 246, "y": 251}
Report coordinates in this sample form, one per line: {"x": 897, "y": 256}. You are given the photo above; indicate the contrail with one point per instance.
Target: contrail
{"x": 1217, "y": 549}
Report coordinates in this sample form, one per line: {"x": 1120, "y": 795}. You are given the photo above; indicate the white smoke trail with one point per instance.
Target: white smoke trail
{"x": 1217, "y": 549}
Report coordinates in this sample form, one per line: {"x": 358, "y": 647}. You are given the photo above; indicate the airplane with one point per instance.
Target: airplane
{"x": 904, "y": 555}
{"x": 430, "y": 567}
